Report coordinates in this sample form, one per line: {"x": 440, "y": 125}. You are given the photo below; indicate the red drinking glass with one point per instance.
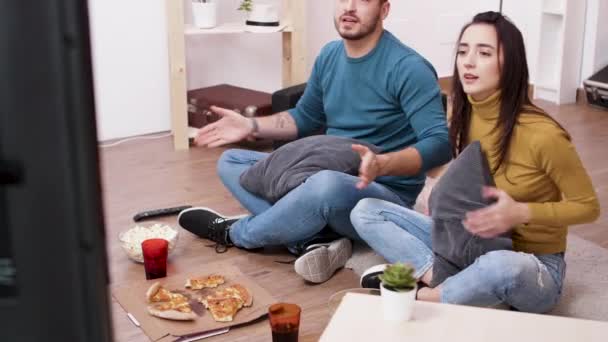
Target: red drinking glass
{"x": 284, "y": 322}
{"x": 155, "y": 257}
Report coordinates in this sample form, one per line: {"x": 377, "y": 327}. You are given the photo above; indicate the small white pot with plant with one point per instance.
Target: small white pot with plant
{"x": 398, "y": 292}
{"x": 204, "y": 13}
{"x": 261, "y": 17}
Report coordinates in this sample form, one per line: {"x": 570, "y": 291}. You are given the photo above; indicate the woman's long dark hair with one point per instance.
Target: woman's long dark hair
{"x": 514, "y": 78}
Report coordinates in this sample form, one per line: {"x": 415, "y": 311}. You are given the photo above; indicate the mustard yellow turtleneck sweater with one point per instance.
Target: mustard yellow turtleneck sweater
{"x": 543, "y": 170}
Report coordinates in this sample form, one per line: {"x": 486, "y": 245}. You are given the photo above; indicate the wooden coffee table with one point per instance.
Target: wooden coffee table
{"x": 359, "y": 318}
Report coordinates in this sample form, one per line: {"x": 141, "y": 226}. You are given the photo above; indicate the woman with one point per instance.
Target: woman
{"x": 542, "y": 186}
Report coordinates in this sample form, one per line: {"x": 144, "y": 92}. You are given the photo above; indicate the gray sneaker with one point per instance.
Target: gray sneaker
{"x": 318, "y": 264}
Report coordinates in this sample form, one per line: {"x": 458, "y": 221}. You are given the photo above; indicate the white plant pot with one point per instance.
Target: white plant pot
{"x": 397, "y": 306}
{"x": 204, "y": 14}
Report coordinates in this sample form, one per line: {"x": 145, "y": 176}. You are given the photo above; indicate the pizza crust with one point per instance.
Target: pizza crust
{"x": 152, "y": 291}
{"x": 172, "y": 314}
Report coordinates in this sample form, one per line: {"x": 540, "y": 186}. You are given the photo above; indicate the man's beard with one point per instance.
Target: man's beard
{"x": 365, "y": 31}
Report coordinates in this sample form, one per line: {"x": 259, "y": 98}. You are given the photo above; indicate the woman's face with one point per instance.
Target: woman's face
{"x": 478, "y": 62}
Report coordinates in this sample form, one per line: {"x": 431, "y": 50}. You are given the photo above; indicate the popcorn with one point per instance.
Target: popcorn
{"x": 131, "y": 239}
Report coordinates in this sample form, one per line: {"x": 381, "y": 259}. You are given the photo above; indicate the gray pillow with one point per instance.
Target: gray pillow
{"x": 457, "y": 192}
{"x": 289, "y": 166}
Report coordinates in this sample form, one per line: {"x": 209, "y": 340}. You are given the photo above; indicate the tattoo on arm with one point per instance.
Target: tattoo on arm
{"x": 282, "y": 121}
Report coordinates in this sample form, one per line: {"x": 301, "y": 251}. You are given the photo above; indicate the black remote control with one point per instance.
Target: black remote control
{"x": 159, "y": 212}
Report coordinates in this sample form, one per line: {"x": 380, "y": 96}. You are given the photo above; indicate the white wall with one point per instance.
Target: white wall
{"x": 130, "y": 66}
{"x": 527, "y": 19}
{"x": 432, "y": 27}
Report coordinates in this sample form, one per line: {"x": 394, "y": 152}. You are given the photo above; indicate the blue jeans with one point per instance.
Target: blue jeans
{"x": 325, "y": 198}
{"x": 527, "y": 282}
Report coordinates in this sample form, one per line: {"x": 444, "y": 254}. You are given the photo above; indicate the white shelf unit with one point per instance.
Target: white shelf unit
{"x": 553, "y": 6}
{"x": 293, "y": 48}
{"x": 560, "y": 50}
{"x": 234, "y": 27}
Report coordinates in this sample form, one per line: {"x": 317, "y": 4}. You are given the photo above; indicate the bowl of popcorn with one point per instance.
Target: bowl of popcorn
{"x": 131, "y": 239}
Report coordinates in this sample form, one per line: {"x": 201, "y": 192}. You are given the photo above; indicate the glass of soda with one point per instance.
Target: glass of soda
{"x": 284, "y": 322}
{"x": 155, "y": 257}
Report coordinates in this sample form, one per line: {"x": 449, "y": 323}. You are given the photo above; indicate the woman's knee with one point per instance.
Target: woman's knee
{"x": 504, "y": 267}
{"x": 365, "y": 210}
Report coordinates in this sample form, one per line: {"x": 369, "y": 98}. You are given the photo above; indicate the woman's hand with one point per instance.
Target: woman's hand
{"x": 370, "y": 166}
{"x": 497, "y": 218}
{"x": 230, "y": 128}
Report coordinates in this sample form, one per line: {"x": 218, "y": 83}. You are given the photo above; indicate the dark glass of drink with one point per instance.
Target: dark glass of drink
{"x": 284, "y": 322}
{"x": 155, "y": 253}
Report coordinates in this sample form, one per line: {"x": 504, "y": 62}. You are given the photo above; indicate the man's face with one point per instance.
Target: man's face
{"x": 357, "y": 19}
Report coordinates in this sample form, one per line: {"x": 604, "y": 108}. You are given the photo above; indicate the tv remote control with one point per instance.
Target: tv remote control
{"x": 159, "y": 212}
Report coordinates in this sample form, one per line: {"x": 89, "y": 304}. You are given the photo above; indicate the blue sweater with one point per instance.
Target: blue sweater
{"x": 389, "y": 98}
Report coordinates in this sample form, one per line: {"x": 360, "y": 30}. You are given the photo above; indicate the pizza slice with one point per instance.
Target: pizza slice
{"x": 235, "y": 291}
{"x": 172, "y": 310}
{"x": 167, "y": 304}
{"x": 223, "y": 309}
{"x": 209, "y": 281}
{"x": 243, "y": 293}
{"x": 157, "y": 293}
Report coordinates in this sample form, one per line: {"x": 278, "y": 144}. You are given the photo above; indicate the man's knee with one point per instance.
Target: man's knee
{"x": 229, "y": 158}
{"x": 326, "y": 185}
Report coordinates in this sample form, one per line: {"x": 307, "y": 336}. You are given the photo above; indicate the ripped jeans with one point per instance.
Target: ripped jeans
{"x": 526, "y": 282}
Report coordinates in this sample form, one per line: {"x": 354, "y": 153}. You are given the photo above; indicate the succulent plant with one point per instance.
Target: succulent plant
{"x": 398, "y": 277}
{"x": 246, "y": 5}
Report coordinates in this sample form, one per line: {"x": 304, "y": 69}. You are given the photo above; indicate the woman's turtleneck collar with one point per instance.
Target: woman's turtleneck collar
{"x": 487, "y": 109}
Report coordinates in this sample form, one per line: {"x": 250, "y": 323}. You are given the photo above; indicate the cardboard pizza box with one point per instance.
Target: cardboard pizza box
{"x": 132, "y": 298}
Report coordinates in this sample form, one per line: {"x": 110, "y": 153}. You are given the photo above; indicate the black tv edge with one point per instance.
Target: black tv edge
{"x": 53, "y": 268}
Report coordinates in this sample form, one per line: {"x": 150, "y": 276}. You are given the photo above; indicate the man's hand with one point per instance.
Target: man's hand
{"x": 370, "y": 167}
{"x": 230, "y": 128}
{"x": 497, "y": 218}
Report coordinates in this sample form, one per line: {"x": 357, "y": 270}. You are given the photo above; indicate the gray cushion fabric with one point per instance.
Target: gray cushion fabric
{"x": 290, "y": 165}
{"x": 458, "y": 191}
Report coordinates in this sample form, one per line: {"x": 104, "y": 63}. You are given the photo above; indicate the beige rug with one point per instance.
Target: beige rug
{"x": 585, "y": 292}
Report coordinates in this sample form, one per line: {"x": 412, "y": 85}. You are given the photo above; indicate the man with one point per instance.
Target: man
{"x": 366, "y": 86}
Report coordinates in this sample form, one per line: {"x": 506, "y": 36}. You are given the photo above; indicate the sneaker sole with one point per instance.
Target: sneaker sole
{"x": 369, "y": 279}
{"x": 318, "y": 265}
{"x": 211, "y": 210}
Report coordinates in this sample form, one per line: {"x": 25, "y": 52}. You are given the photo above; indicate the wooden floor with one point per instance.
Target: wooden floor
{"x": 149, "y": 174}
